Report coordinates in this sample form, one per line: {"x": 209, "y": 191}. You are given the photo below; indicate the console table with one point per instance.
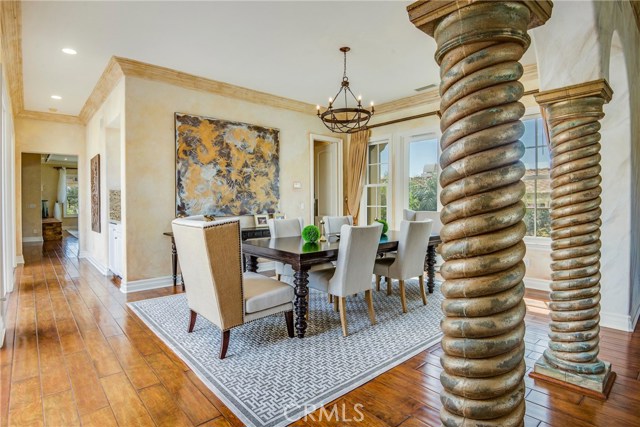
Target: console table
{"x": 247, "y": 233}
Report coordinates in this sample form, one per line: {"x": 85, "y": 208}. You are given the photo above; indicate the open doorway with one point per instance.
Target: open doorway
{"x": 326, "y": 177}
{"x": 50, "y": 197}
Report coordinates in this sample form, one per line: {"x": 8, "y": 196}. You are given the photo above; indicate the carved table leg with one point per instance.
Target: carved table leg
{"x": 431, "y": 267}
{"x": 174, "y": 262}
{"x": 252, "y": 263}
{"x": 301, "y": 281}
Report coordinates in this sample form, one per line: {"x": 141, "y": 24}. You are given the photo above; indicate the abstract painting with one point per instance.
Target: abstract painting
{"x": 225, "y": 168}
{"x": 95, "y": 193}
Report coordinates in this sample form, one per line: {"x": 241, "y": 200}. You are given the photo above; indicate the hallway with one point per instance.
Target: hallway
{"x": 76, "y": 355}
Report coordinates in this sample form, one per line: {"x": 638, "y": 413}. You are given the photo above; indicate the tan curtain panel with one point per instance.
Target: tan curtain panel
{"x": 357, "y": 163}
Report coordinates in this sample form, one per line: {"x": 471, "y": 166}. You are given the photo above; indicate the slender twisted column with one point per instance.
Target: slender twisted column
{"x": 574, "y": 115}
{"x": 479, "y": 46}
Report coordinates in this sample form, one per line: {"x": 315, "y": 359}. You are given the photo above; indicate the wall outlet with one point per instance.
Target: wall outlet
{"x": 297, "y": 185}
{"x": 301, "y": 206}
{"x": 35, "y": 231}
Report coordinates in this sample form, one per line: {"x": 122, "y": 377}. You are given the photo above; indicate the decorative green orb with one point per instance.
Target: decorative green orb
{"x": 385, "y": 226}
{"x": 311, "y": 233}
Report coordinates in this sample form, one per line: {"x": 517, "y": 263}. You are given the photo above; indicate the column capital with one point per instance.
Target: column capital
{"x": 425, "y": 14}
{"x": 599, "y": 88}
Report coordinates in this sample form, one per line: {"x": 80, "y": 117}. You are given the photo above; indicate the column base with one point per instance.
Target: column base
{"x": 597, "y": 386}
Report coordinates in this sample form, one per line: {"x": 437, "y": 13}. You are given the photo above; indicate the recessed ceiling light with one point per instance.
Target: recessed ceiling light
{"x": 66, "y": 158}
{"x": 53, "y": 110}
{"x": 69, "y": 51}
{"x": 56, "y": 97}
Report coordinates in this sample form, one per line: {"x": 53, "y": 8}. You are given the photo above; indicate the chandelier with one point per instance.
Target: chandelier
{"x": 350, "y": 118}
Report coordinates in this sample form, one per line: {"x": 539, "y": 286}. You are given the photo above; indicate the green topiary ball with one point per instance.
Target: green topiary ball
{"x": 385, "y": 226}
{"x": 310, "y": 247}
{"x": 311, "y": 233}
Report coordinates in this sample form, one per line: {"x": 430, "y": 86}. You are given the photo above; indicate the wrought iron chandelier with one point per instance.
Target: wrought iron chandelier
{"x": 349, "y": 118}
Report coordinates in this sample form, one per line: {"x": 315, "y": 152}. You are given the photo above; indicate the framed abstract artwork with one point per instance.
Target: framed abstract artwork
{"x": 95, "y": 193}
{"x": 225, "y": 168}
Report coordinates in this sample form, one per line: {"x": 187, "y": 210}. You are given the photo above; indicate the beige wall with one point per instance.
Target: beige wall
{"x": 39, "y": 136}
{"x": 49, "y": 176}
{"x": 31, "y": 197}
{"x": 149, "y": 202}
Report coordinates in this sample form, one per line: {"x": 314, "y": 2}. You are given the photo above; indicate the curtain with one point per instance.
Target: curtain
{"x": 62, "y": 186}
{"x": 357, "y": 163}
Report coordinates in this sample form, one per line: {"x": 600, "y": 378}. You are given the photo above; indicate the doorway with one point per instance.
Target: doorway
{"x": 326, "y": 177}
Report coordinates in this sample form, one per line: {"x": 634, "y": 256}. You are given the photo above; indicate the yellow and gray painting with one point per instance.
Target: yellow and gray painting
{"x": 225, "y": 168}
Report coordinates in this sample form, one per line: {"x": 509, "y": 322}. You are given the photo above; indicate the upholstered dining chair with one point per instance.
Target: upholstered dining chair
{"x": 410, "y": 215}
{"x": 211, "y": 257}
{"x": 332, "y": 224}
{"x": 353, "y": 272}
{"x": 280, "y": 228}
{"x": 408, "y": 261}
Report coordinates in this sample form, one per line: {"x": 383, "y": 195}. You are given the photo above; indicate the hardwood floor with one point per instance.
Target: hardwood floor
{"x": 76, "y": 355}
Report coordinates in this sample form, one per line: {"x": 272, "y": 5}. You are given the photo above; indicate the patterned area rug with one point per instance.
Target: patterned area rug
{"x": 269, "y": 379}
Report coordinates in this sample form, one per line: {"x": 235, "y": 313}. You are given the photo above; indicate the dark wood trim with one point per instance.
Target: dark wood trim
{"x": 224, "y": 343}
{"x": 581, "y": 390}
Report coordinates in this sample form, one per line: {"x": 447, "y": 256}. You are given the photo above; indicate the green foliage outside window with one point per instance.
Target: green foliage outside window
{"x": 423, "y": 193}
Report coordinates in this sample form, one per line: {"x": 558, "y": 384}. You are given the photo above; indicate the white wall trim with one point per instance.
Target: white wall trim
{"x": 266, "y": 266}
{"x": 19, "y": 259}
{"x": 3, "y": 331}
{"x": 538, "y": 284}
{"x": 339, "y": 144}
{"x": 634, "y": 319}
{"x": 97, "y": 264}
{"x": 621, "y": 322}
{"x": 32, "y": 240}
{"x": 540, "y": 243}
{"x": 147, "y": 284}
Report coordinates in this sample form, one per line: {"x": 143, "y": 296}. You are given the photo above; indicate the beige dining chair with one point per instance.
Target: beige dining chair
{"x": 332, "y": 224}
{"x": 353, "y": 272}
{"x": 408, "y": 262}
{"x": 434, "y": 216}
{"x": 211, "y": 258}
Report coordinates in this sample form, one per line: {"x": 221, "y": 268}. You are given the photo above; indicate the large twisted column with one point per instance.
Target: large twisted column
{"x": 479, "y": 46}
{"x": 573, "y": 115}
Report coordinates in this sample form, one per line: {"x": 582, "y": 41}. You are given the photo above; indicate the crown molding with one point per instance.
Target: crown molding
{"x": 425, "y": 14}
{"x": 599, "y": 88}
{"x": 11, "y": 39}
{"x": 106, "y": 83}
{"x": 49, "y": 117}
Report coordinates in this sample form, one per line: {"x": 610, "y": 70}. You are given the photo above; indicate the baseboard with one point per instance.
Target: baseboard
{"x": 32, "y": 240}
{"x": 127, "y": 287}
{"x": 266, "y": 266}
{"x": 3, "y": 332}
{"x": 538, "y": 284}
{"x": 97, "y": 264}
{"x": 634, "y": 319}
{"x": 621, "y": 322}
{"x": 19, "y": 259}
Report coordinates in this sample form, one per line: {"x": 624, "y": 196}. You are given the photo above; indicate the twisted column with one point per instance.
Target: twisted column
{"x": 479, "y": 46}
{"x": 574, "y": 115}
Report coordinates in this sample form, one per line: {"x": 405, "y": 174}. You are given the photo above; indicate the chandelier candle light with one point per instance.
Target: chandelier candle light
{"x": 347, "y": 119}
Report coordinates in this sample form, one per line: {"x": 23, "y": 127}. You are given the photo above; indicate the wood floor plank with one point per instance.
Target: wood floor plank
{"x": 231, "y": 418}
{"x": 85, "y": 383}
{"x": 25, "y": 407}
{"x": 101, "y": 418}
{"x": 163, "y": 410}
{"x": 135, "y": 366}
{"x": 60, "y": 410}
{"x": 103, "y": 358}
{"x": 124, "y": 401}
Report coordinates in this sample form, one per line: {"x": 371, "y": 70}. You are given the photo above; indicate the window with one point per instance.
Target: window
{"x": 536, "y": 179}
{"x": 423, "y": 174}
{"x": 71, "y": 207}
{"x": 377, "y": 183}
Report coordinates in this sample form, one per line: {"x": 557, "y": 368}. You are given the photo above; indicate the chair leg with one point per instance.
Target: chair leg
{"x": 278, "y": 276}
{"x": 377, "y": 283}
{"x": 422, "y": 291}
{"x": 372, "y": 312}
{"x": 403, "y": 297}
{"x": 306, "y": 315}
{"x": 335, "y": 303}
{"x": 343, "y": 316}
{"x": 330, "y": 298}
{"x": 288, "y": 317}
{"x": 388, "y": 280}
{"x": 224, "y": 343}
{"x": 192, "y": 321}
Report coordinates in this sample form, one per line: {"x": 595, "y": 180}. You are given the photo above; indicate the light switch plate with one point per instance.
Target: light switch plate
{"x": 297, "y": 185}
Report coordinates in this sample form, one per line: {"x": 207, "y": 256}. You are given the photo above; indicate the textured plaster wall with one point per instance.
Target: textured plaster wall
{"x": 31, "y": 205}
{"x": 149, "y": 200}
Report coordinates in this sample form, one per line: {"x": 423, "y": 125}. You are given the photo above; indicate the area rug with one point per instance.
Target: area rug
{"x": 269, "y": 379}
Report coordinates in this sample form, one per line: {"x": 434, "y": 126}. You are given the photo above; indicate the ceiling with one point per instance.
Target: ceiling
{"x": 288, "y": 48}
{"x": 59, "y": 159}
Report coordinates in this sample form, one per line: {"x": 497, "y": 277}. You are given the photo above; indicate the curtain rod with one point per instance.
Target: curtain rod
{"x": 430, "y": 113}
{"x": 60, "y": 167}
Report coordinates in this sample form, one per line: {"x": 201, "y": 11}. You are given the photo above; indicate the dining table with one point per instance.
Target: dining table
{"x": 303, "y": 255}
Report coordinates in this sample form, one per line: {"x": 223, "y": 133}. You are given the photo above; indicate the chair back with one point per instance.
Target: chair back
{"x": 356, "y": 256}
{"x": 410, "y": 215}
{"x": 332, "y": 224}
{"x": 210, "y": 260}
{"x": 412, "y": 249}
{"x": 285, "y": 227}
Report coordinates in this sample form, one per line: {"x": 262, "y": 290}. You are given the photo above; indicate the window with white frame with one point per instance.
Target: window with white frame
{"x": 422, "y": 178}
{"x": 537, "y": 179}
{"x": 376, "y": 190}
{"x": 71, "y": 208}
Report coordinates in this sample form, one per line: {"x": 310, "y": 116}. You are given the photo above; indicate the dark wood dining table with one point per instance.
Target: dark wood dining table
{"x": 301, "y": 256}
